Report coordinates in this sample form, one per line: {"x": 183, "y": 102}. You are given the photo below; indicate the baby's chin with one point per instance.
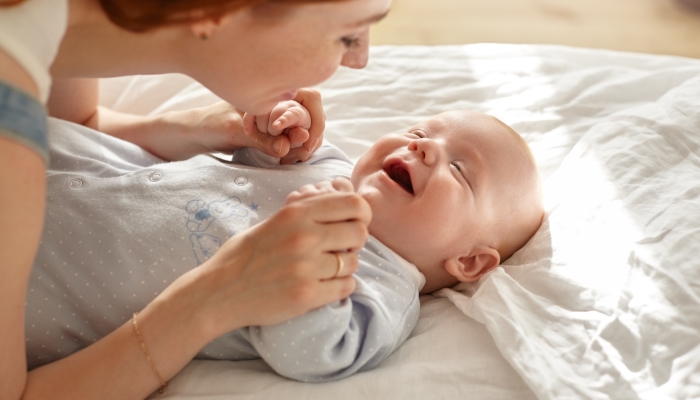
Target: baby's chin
{"x": 391, "y": 240}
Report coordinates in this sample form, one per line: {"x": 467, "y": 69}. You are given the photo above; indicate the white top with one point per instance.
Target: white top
{"x": 31, "y": 33}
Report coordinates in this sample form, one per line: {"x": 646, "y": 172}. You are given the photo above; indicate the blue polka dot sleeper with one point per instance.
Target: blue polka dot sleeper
{"x": 121, "y": 225}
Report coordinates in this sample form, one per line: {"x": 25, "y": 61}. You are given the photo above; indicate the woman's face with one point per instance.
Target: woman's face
{"x": 258, "y": 57}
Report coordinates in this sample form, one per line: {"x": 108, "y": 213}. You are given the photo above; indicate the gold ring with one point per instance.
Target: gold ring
{"x": 341, "y": 264}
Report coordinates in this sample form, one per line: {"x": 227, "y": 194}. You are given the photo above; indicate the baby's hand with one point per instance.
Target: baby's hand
{"x": 288, "y": 117}
{"x": 306, "y": 191}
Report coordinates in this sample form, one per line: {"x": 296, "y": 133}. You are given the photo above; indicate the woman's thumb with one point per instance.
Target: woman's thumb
{"x": 276, "y": 146}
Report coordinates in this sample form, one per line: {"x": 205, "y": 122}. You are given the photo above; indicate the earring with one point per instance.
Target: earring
{"x": 203, "y": 37}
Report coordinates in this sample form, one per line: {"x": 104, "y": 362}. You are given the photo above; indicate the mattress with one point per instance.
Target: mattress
{"x": 604, "y": 301}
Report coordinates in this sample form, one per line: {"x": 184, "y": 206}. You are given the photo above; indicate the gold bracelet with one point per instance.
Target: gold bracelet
{"x": 163, "y": 383}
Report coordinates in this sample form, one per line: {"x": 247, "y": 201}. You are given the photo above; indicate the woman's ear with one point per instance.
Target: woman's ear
{"x": 205, "y": 28}
{"x": 471, "y": 267}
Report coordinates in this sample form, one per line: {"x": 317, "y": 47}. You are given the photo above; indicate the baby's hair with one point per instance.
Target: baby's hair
{"x": 522, "y": 142}
{"x": 515, "y": 236}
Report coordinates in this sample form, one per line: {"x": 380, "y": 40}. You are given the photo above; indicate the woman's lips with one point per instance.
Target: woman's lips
{"x": 399, "y": 173}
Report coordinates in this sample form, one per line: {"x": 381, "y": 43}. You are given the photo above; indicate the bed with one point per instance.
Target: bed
{"x": 604, "y": 301}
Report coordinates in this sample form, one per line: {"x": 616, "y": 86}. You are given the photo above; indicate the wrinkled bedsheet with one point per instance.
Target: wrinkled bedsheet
{"x": 603, "y": 303}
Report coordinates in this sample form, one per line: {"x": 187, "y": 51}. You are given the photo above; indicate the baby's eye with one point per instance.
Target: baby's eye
{"x": 418, "y": 134}
{"x": 461, "y": 173}
{"x": 350, "y": 42}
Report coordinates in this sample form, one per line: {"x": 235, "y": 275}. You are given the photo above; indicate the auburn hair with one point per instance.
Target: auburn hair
{"x": 142, "y": 15}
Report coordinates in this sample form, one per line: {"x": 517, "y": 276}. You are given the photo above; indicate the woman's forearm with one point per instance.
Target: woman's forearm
{"x": 74, "y": 99}
{"x": 171, "y": 136}
{"x": 179, "y": 135}
{"x": 115, "y": 366}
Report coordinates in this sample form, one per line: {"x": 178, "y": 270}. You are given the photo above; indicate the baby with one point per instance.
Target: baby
{"x": 451, "y": 198}
{"x": 455, "y": 195}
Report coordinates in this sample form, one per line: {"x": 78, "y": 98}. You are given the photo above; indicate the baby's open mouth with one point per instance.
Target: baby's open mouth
{"x": 399, "y": 174}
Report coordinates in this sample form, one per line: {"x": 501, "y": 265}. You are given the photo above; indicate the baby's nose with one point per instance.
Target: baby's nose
{"x": 425, "y": 150}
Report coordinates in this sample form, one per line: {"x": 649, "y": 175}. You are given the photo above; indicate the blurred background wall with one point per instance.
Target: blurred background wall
{"x": 648, "y": 26}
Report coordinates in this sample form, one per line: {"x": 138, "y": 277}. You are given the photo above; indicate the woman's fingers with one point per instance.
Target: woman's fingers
{"x": 248, "y": 124}
{"x": 311, "y": 100}
{"x": 262, "y": 121}
{"x": 276, "y": 146}
{"x": 333, "y": 207}
{"x": 287, "y": 265}
{"x": 339, "y": 265}
{"x": 297, "y": 136}
{"x": 341, "y": 236}
{"x": 334, "y": 289}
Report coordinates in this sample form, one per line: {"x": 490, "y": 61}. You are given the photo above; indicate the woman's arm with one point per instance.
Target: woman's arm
{"x": 244, "y": 283}
{"x": 340, "y": 339}
{"x": 180, "y": 135}
{"x": 22, "y": 203}
{"x": 172, "y": 136}
{"x": 115, "y": 365}
{"x": 349, "y": 336}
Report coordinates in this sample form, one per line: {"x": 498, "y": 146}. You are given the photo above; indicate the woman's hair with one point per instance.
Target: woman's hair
{"x": 142, "y": 15}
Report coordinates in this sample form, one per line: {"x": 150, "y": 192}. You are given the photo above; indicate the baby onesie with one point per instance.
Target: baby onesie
{"x": 122, "y": 225}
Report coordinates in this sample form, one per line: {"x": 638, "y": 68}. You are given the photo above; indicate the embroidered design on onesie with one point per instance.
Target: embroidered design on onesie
{"x": 204, "y": 246}
{"x": 200, "y": 216}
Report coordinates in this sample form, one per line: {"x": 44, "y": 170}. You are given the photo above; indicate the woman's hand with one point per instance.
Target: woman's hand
{"x": 310, "y": 99}
{"x": 284, "y": 266}
{"x": 179, "y": 135}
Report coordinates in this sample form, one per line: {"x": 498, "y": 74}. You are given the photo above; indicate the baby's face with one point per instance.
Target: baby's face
{"x": 435, "y": 191}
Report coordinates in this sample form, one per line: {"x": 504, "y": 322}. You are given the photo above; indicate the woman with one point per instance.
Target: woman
{"x": 250, "y": 53}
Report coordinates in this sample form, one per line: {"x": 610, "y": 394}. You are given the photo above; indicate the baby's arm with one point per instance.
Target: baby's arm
{"x": 351, "y": 335}
{"x": 348, "y": 336}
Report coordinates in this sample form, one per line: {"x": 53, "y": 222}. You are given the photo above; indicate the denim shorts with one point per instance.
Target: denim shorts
{"x": 23, "y": 119}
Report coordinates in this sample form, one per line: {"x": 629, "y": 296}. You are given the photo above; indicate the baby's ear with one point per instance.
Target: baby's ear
{"x": 471, "y": 267}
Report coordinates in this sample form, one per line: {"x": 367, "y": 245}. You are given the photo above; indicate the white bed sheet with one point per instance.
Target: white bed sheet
{"x": 604, "y": 302}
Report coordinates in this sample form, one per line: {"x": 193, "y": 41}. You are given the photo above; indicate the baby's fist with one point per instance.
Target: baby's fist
{"x": 287, "y": 117}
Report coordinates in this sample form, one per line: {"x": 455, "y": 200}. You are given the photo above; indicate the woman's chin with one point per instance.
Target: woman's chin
{"x": 261, "y": 108}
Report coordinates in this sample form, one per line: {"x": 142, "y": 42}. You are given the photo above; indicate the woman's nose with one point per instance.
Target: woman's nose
{"x": 426, "y": 150}
{"x": 357, "y": 57}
